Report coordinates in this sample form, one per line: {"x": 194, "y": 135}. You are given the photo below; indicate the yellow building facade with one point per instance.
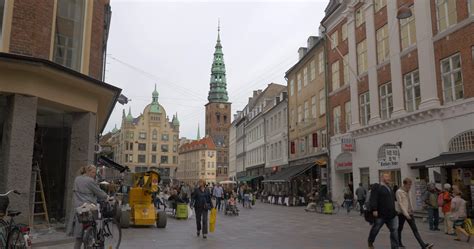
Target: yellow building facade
{"x": 149, "y": 141}
{"x": 197, "y": 160}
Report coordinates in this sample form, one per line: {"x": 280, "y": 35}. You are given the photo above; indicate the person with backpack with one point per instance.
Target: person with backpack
{"x": 405, "y": 213}
{"x": 459, "y": 214}
{"x": 430, "y": 199}
{"x": 382, "y": 205}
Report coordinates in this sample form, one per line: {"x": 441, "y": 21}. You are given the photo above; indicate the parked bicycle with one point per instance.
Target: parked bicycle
{"x": 12, "y": 235}
{"x": 101, "y": 229}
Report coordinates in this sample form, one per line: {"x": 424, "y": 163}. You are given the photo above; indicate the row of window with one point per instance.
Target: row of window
{"x": 302, "y": 78}
{"x": 275, "y": 151}
{"x": 142, "y": 135}
{"x": 276, "y": 121}
{"x": 446, "y": 17}
{"x": 309, "y": 144}
{"x": 142, "y": 147}
{"x": 303, "y": 114}
{"x": 255, "y": 156}
{"x": 129, "y": 158}
{"x": 452, "y": 83}
{"x": 255, "y": 133}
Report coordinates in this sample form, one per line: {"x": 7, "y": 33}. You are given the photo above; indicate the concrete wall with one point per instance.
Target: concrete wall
{"x": 17, "y": 151}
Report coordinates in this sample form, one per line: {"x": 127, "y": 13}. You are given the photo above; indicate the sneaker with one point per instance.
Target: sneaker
{"x": 198, "y": 233}
{"x": 204, "y": 236}
{"x": 371, "y": 246}
{"x": 436, "y": 229}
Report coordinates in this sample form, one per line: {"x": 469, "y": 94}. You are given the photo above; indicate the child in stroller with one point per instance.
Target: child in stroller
{"x": 231, "y": 207}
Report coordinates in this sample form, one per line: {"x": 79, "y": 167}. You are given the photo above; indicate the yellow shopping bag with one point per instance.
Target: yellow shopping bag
{"x": 212, "y": 220}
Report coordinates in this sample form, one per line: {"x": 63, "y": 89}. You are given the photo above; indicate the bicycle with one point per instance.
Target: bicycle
{"x": 101, "y": 229}
{"x": 12, "y": 235}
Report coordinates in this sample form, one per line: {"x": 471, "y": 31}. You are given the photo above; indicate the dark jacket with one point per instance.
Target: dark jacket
{"x": 382, "y": 200}
{"x": 201, "y": 199}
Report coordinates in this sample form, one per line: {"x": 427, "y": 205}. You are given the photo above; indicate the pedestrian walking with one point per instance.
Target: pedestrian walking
{"x": 405, "y": 213}
{"x": 446, "y": 197}
{"x": 382, "y": 204}
{"x": 361, "y": 194}
{"x": 202, "y": 204}
{"x": 218, "y": 193}
{"x": 348, "y": 198}
{"x": 431, "y": 203}
{"x": 459, "y": 214}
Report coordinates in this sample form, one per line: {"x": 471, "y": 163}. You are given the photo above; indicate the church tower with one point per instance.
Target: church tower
{"x": 218, "y": 111}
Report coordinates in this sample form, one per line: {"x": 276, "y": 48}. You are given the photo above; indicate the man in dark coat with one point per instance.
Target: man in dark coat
{"x": 382, "y": 204}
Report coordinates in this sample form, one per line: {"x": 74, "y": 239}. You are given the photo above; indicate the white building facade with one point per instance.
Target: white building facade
{"x": 411, "y": 97}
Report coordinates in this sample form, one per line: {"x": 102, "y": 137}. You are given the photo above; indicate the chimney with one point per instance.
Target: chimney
{"x": 312, "y": 41}
{"x": 259, "y": 91}
{"x": 302, "y": 51}
{"x": 255, "y": 93}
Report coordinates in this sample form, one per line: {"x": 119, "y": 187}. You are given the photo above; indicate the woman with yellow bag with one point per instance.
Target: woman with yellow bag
{"x": 202, "y": 204}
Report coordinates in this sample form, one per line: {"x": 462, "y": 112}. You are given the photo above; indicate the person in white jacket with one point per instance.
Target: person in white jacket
{"x": 405, "y": 213}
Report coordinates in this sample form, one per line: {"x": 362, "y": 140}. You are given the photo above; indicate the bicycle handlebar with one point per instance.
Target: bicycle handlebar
{"x": 10, "y": 191}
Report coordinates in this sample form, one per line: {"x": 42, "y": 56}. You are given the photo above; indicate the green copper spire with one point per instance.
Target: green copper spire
{"x": 198, "y": 134}
{"x": 114, "y": 130}
{"x": 218, "y": 91}
{"x": 155, "y": 106}
{"x": 129, "y": 115}
{"x": 175, "y": 120}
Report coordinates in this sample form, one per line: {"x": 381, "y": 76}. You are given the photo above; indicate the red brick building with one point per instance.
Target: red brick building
{"x": 407, "y": 89}
{"x": 53, "y": 102}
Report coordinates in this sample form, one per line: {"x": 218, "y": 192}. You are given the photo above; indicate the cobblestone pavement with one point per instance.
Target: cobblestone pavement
{"x": 277, "y": 227}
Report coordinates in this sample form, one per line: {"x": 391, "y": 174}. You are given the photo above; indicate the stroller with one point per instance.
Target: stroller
{"x": 231, "y": 208}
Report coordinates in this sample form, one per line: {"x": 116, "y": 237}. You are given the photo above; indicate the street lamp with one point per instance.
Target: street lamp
{"x": 403, "y": 13}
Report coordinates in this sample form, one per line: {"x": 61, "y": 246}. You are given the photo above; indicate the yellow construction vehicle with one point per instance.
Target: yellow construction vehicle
{"x": 139, "y": 210}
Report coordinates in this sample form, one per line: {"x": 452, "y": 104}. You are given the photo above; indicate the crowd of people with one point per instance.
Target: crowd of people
{"x": 393, "y": 207}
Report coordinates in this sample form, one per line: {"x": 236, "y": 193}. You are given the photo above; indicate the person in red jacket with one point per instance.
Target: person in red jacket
{"x": 446, "y": 208}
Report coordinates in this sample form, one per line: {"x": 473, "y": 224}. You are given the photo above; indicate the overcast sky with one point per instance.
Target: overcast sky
{"x": 171, "y": 44}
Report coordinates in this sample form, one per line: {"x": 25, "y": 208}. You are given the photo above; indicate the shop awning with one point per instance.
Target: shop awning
{"x": 447, "y": 160}
{"x": 247, "y": 178}
{"x": 286, "y": 174}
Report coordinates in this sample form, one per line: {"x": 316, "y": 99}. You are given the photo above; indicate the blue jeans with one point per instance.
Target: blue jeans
{"x": 392, "y": 225}
{"x": 433, "y": 218}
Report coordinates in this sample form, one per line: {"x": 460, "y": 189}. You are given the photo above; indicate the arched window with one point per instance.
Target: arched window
{"x": 462, "y": 142}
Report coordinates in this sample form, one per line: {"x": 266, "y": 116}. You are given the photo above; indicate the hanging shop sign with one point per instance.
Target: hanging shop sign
{"x": 389, "y": 155}
{"x": 343, "y": 161}
{"x": 348, "y": 144}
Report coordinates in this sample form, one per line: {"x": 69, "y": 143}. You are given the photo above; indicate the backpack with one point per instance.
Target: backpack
{"x": 441, "y": 199}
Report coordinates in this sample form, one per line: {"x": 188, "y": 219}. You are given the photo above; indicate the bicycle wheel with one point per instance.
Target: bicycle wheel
{"x": 89, "y": 238}
{"x": 3, "y": 234}
{"x": 15, "y": 239}
{"x": 112, "y": 234}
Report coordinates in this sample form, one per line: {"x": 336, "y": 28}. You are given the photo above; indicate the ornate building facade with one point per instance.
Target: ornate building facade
{"x": 218, "y": 111}
{"x": 149, "y": 141}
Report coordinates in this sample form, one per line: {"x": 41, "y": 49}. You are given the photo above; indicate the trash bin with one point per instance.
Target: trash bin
{"x": 182, "y": 211}
{"x": 328, "y": 207}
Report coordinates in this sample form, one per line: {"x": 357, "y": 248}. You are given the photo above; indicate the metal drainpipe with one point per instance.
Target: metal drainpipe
{"x": 328, "y": 139}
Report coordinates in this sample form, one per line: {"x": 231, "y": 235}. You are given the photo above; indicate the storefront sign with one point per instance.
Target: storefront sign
{"x": 348, "y": 144}
{"x": 389, "y": 155}
{"x": 343, "y": 161}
